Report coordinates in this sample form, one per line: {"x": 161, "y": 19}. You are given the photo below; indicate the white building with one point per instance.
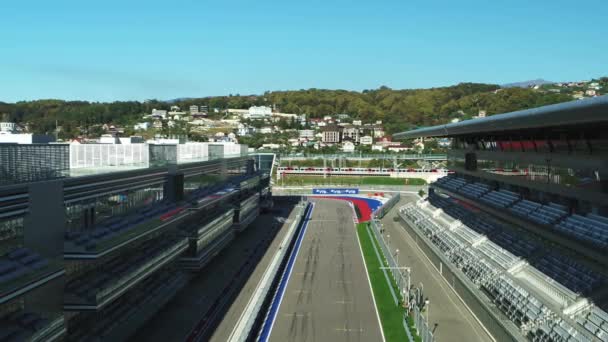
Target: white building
{"x": 351, "y": 133}
{"x": 142, "y": 126}
{"x": 379, "y": 148}
{"x": 244, "y": 130}
{"x": 193, "y": 109}
{"x": 357, "y": 122}
{"x": 307, "y": 133}
{"x": 366, "y": 140}
{"x": 271, "y": 146}
{"x": 331, "y": 134}
{"x": 378, "y": 131}
{"x": 108, "y": 139}
{"x": 25, "y": 138}
{"x": 399, "y": 148}
{"x": 261, "y": 112}
{"x": 266, "y": 130}
{"x": 159, "y": 113}
{"x": 444, "y": 142}
{"x": 348, "y": 146}
{"x": 590, "y": 92}
{"x": 8, "y": 127}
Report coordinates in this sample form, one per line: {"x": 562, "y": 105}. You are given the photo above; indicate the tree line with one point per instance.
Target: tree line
{"x": 398, "y": 109}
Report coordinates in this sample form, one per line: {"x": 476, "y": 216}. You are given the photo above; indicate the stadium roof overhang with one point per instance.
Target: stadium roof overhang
{"x": 578, "y": 112}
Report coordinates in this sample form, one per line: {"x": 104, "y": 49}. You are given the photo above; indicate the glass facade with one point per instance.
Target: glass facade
{"x": 560, "y": 145}
{"x": 583, "y": 178}
{"x": 107, "y": 206}
{"x": 31, "y": 163}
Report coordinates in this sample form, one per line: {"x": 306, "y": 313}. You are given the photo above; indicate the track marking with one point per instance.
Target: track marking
{"x": 370, "y": 286}
{"x": 293, "y": 257}
{"x": 305, "y": 314}
{"x": 301, "y": 291}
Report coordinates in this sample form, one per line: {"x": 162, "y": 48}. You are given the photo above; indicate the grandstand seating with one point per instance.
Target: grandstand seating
{"x": 112, "y": 227}
{"x": 486, "y": 263}
{"x": 452, "y": 183}
{"x": 592, "y": 228}
{"x": 548, "y": 214}
{"x": 98, "y": 283}
{"x": 515, "y": 302}
{"x": 544, "y": 214}
{"x": 475, "y": 190}
{"x": 569, "y": 273}
{"x": 524, "y": 207}
{"x": 500, "y": 198}
{"x": 497, "y": 254}
{"x": 595, "y": 321}
{"x": 143, "y": 296}
{"x": 22, "y": 326}
{"x": 558, "y": 331}
{"x": 514, "y": 244}
{"x": 19, "y": 262}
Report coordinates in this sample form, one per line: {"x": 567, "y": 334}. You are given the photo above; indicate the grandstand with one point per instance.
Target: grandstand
{"x": 523, "y": 216}
{"x": 94, "y": 257}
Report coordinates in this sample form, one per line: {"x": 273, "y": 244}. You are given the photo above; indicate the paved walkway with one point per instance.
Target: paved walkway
{"x": 454, "y": 321}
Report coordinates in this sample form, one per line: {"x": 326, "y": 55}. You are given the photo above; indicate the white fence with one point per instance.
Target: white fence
{"x": 141, "y": 155}
{"x": 103, "y": 155}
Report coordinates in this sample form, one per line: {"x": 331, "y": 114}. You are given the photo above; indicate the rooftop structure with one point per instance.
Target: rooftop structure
{"x": 524, "y": 215}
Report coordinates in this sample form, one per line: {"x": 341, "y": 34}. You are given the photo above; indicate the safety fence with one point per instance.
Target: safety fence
{"x": 421, "y": 324}
{"x": 413, "y": 298}
{"x": 380, "y": 212}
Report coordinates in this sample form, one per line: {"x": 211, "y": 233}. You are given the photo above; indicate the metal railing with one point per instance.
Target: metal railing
{"x": 401, "y": 274}
{"x": 422, "y": 325}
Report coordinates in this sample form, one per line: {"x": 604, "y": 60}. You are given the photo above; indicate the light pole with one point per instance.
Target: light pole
{"x": 428, "y": 309}
{"x": 397, "y": 257}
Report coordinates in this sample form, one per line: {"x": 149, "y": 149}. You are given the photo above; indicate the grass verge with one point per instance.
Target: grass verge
{"x": 391, "y": 315}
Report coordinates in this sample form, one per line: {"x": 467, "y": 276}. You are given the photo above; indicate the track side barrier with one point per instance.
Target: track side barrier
{"x": 258, "y": 309}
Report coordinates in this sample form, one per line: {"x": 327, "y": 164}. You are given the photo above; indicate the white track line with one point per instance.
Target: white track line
{"x": 371, "y": 289}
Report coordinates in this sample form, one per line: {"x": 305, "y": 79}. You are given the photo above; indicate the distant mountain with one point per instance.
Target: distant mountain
{"x": 526, "y": 84}
{"x": 178, "y": 100}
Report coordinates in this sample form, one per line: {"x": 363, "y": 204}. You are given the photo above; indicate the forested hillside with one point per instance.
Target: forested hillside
{"x": 398, "y": 109}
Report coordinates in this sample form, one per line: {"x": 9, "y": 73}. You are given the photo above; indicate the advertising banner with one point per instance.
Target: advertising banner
{"x": 335, "y": 191}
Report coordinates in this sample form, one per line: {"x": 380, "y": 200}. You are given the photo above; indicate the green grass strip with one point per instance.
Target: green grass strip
{"x": 391, "y": 315}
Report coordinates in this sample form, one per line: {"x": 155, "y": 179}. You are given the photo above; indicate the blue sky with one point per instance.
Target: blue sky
{"x": 134, "y": 50}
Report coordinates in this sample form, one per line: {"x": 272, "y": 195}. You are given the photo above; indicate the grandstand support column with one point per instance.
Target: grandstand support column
{"x": 250, "y": 166}
{"x": 44, "y": 226}
{"x": 174, "y": 185}
{"x": 223, "y": 169}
